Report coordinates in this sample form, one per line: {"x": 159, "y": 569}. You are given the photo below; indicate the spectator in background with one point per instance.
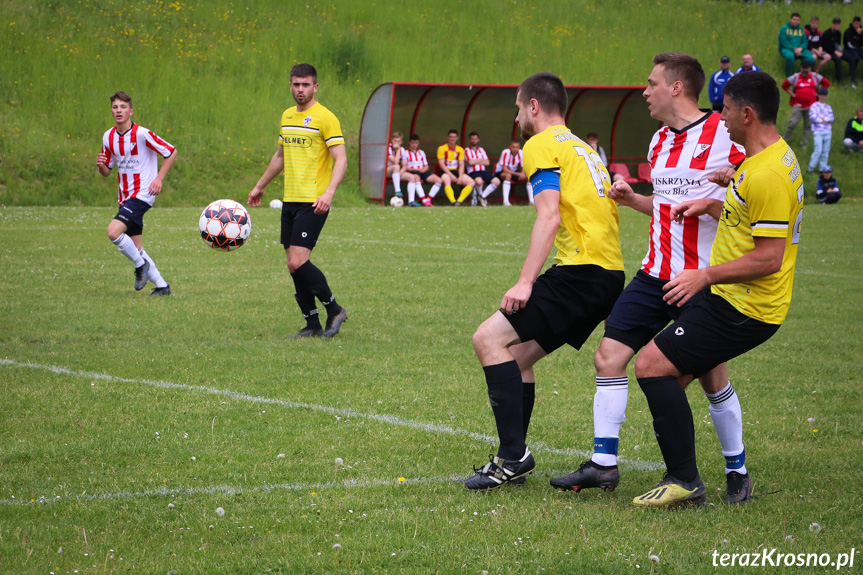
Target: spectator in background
{"x": 813, "y": 43}
{"x": 831, "y": 43}
{"x": 394, "y": 162}
{"x": 828, "y": 190}
{"x": 852, "y": 44}
{"x": 717, "y": 82}
{"x": 821, "y": 118}
{"x": 748, "y": 65}
{"x": 792, "y": 44}
{"x": 854, "y": 133}
{"x": 593, "y": 142}
{"x": 803, "y": 88}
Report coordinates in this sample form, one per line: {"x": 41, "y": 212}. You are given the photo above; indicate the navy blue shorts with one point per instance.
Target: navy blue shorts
{"x": 566, "y": 305}
{"x": 423, "y": 175}
{"x": 301, "y": 226}
{"x": 640, "y": 312}
{"x": 711, "y": 332}
{"x": 484, "y": 174}
{"x": 132, "y": 213}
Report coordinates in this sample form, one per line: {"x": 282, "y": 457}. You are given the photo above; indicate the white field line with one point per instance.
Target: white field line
{"x": 342, "y": 412}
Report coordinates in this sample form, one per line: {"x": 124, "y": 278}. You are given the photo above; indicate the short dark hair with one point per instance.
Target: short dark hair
{"x": 414, "y": 138}
{"x": 453, "y": 131}
{"x": 684, "y": 68}
{"x": 473, "y": 134}
{"x": 857, "y": 19}
{"x": 547, "y": 89}
{"x": 793, "y": 14}
{"x": 304, "y": 71}
{"x": 592, "y": 135}
{"x": 122, "y": 96}
{"x": 758, "y": 90}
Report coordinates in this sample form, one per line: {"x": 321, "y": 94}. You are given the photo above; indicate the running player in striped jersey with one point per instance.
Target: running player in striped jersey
{"x": 509, "y": 169}
{"x": 416, "y": 171}
{"x": 311, "y": 152}
{"x": 683, "y": 154}
{"x": 563, "y": 306}
{"x": 746, "y": 289}
{"x": 450, "y": 158}
{"x": 394, "y": 162}
{"x": 476, "y": 165}
{"x": 134, "y": 150}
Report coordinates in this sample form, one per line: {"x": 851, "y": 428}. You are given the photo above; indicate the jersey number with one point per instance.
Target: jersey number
{"x": 600, "y": 176}
{"x": 795, "y": 231}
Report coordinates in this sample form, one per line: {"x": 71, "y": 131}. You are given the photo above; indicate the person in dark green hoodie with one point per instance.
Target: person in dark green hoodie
{"x": 853, "y": 140}
{"x": 792, "y": 44}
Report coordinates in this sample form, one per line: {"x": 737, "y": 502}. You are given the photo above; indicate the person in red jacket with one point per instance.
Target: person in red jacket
{"x": 803, "y": 88}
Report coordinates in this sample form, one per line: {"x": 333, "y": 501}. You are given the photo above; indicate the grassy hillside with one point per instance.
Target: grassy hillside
{"x": 212, "y": 77}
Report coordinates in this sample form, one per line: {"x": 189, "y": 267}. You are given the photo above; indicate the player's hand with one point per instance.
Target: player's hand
{"x": 689, "y": 208}
{"x": 722, "y": 176}
{"x": 101, "y": 160}
{"x": 685, "y": 284}
{"x": 622, "y": 193}
{"x": 516, "y": 298}
{"x": 156, "y": 187}
{"x": 322, "y": 204}
{"x": 255, "y": 196}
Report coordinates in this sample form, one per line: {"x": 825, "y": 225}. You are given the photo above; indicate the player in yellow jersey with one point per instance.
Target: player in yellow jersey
{"x": 541, "y": 313}
{"x": 450, "y": 158}
{"x": 312, "y": 154}
{"x": 746, "y": 288}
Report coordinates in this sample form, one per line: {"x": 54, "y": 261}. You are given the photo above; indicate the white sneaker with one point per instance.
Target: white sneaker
{"x": 507, "y": 204}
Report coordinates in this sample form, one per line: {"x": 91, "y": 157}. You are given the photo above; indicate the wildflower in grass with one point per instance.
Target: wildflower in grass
{"x": 337, "y": 546}
{"x": 339, "y": 461}
{"x": 815, "y": 528}
{"x": 220, "y": 512}
{"x": 401, "y": 479}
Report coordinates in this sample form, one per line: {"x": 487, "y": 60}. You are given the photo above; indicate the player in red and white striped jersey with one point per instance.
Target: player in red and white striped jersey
{"x": 510, "y": 168}
{"x": 416, "y": 171}
{"x": 684, "y": 155}
{"x": 476, "y": 166}
{"x": 134, "y": 150}
{"x": 394, "y": 161}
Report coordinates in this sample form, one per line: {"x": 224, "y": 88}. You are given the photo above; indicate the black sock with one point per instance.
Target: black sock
{"x": 316, "y": 281}
{"x": 504, "y": 394}
{"x": 672, "y": 423}
{"x": 528, "y": 397}
{"x": 306, "y": 301}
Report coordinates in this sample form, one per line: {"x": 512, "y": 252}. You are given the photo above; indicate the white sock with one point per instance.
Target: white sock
{"x": 728, "y": 421}
{"x": 127, "y": 247}
{"x": 419, "y": 188}
{"x": 153, "y": 273}
{"x": 506, "y": 187}
{"x": 489, "y": 190}
{"x": 411, "y": 192}
{"x": 434, "y": 190}
{"x": 397, "y": 181}
{"x": 609, "y": 413}
{"x": 529, "y": 192}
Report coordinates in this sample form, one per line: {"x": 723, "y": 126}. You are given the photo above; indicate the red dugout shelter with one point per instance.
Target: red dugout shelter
{"x": 618, "y": 114}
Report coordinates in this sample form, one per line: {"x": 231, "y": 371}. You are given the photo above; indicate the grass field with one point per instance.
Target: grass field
{"x": 128, "y": 420}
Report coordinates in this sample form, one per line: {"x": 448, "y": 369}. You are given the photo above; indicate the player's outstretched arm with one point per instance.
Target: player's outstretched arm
{"x": 340, "y": 166}
{"x": 623, "y": 194}
{"x": 274, "y": 168}
{"x": 541, "y": 241}
{"x": 692, "y": 208}
{"x": 156, "y": 184}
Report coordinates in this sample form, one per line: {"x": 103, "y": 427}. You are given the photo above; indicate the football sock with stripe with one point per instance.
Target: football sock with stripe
{"x": 153, "y": 273}
{"x": 609, "y": 413}
{"x": 127, "y": 247}
{"x": 672, "y": 424}
{"x": 306, "y": 301}
{"x": 434, "y": 190}
{"x": 727, "y": 418}
{"x": 505, "y": 390}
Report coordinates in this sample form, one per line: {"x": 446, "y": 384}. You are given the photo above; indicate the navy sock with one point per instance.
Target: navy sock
{"x": 505, "y": 390}
{"x": 672, "y": 423}
{"x": 528, "y": 397}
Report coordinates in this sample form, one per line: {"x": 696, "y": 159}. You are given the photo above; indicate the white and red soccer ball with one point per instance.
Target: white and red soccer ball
{"x": 225, "y": 225}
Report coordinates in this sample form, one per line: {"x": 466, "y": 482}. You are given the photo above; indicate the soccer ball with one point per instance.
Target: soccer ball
{"x": 276, "y": 204}
{"x": 396, "y": 202}
{"x": 225, "y": 225}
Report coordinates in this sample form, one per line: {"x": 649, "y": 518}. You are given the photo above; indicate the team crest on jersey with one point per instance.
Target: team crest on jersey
{"x": 701, "y": 151}
{"x": 306, "y": 121}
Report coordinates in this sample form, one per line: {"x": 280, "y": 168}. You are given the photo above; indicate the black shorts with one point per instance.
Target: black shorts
{"x": 484, "y": 174}
{"x": 640, "y": 312}
{"x": 453, "y": 174}
{"x": 423, "y": 175}
{"x": 566, "y": 305}
{"x": 132, "y": 213}
{"x": 711, "y": 332}
{"x": 301, "y": 226}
